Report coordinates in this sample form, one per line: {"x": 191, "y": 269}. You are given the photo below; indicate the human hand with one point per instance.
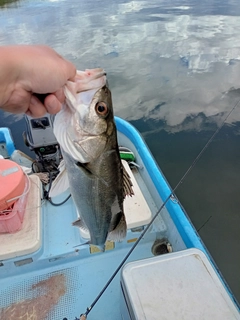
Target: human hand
{"x": 25, "y": 70}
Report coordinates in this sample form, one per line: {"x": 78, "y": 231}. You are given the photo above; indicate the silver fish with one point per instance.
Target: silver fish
{"x": 97, "y": 179}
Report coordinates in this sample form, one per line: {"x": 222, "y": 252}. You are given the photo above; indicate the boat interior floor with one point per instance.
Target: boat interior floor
{"x": 61, "y": 275}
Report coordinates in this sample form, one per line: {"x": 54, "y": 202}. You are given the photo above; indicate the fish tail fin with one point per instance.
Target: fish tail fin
{"x": 101, "y": 247}
{"x": 120, "y": 231}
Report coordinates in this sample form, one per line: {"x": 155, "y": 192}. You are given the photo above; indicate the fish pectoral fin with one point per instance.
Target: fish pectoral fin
{"x": 127, "y": 184}
{"x": 120, "y": 231}
{"x": 80, "y": 224}
{"x": 61, "y": 183}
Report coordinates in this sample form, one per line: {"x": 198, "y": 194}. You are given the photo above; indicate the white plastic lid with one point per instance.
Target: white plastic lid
{"x": 179, "y": 285}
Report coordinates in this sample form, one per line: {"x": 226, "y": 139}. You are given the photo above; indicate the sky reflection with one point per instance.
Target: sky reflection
{"x": 166, "y": 61}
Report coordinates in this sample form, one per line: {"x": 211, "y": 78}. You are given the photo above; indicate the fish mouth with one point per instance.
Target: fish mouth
{"x": 100, "y": 74}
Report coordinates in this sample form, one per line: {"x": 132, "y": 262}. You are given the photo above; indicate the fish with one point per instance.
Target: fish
{"x": 86, "y": 132}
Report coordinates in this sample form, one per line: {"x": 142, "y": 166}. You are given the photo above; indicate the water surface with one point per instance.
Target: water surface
{"x": 174, "y": 71}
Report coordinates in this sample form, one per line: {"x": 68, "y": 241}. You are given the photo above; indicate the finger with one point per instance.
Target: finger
{"x": 70, "y": 70}
{"x": 36, "y": 108}
{"x": 60, "y": 95}
{"x": 52, "y": 104}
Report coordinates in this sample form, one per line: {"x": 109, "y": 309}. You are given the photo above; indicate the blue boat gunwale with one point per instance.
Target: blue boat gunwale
{"x": 6, "y": 137}
{"x": 179, "y": 216}
{"x": 177, "y": 213}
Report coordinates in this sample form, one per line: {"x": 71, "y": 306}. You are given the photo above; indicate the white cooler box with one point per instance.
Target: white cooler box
{"x": 176, "y": 286}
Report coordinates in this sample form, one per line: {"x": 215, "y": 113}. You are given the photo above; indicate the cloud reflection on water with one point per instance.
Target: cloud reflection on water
{"x": 165, "y": 61}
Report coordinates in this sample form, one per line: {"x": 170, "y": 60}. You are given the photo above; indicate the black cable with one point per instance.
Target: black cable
{"x": 46, "y": 193}
{"x": 59, "y": 204}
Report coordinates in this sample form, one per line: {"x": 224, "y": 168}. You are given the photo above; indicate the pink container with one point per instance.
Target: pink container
{"x": 11, "y": 220}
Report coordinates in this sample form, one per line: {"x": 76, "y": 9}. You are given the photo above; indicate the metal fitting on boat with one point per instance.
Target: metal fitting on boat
{"x": 161, "y": 246}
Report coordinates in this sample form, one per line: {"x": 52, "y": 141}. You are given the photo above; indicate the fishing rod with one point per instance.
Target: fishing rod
{"x": 83, "y": 316}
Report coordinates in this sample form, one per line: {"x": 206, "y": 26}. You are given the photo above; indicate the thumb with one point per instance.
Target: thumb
{"x": 52, "y": 103}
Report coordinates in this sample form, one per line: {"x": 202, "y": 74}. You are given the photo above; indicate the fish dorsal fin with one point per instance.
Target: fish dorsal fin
{"x": 120, "y": 231}
{"x": 61, "y": 183}
{"x": 127, "y": 183}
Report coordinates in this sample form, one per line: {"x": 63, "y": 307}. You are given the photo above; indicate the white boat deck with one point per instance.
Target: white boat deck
{"x": 62, "y": 270}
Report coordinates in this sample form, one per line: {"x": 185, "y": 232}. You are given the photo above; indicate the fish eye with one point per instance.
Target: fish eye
{"x": 101, "y": 109}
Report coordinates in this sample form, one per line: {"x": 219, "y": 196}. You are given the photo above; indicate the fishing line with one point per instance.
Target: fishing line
{"x": 84, "y": 315}
{"x": 203, "y": 225}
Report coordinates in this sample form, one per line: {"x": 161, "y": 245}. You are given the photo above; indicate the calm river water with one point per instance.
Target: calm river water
{"x": 174, "y": 71}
